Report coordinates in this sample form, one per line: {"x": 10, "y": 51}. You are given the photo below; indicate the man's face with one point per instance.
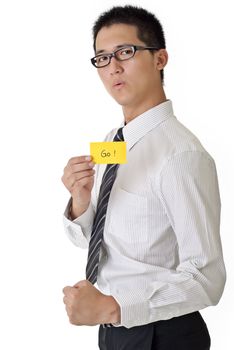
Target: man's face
{"x": 131, "y": 82}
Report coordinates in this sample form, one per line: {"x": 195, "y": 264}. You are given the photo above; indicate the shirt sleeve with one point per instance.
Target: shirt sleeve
{"x": 79, "y": 230}
{"x": 189, "y": 193}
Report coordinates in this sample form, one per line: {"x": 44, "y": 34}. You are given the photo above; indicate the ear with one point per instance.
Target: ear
{"x": 161, "y": 59}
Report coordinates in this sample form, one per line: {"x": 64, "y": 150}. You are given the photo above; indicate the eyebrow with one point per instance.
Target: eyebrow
{"x": 115, "y": 48}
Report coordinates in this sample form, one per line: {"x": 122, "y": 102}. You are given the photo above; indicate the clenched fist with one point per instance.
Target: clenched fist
{"x": 86, "y": 305}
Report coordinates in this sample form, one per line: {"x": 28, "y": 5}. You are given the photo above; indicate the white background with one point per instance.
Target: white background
{"x": 51, "y": 106}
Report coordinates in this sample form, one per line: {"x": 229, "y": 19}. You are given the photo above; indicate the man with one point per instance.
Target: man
{"x": 152, "y": 226}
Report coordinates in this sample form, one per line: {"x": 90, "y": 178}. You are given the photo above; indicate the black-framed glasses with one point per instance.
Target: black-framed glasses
{"x": 122, "y": 54}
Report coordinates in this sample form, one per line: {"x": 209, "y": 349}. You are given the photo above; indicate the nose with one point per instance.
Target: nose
{"x": 115, "y": 66}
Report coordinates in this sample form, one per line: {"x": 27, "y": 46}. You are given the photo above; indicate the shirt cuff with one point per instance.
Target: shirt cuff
{"x": 84, "y": 220}
{"x": 79, "y": 229}
{"x": 134, "y": 310}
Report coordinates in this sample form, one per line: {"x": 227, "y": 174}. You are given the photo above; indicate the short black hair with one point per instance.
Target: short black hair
{"x": 149, "y": 28}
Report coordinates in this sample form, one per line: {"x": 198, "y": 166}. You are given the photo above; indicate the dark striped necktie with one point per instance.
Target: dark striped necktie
{"x": 100, "y": 216}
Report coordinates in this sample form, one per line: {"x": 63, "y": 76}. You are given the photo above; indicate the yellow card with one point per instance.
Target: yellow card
{"x": 109, "y": 152}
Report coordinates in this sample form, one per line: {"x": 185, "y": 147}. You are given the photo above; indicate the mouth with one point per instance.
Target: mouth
{"x": 118, "y": 85}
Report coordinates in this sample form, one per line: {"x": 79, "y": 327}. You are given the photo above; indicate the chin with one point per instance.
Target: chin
{"x": 121, "y": 101}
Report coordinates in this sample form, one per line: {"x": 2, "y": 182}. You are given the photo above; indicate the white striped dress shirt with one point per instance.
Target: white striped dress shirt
{"x": 161, "y": 255}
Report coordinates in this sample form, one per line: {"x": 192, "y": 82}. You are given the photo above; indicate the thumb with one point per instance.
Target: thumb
{"x": 83, "y": 283}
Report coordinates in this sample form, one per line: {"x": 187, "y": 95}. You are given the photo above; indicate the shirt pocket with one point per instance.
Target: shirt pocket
{"x": 128, "y": 217}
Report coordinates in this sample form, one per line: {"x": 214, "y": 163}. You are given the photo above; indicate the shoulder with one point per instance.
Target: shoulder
{"x": 173, "y": 139}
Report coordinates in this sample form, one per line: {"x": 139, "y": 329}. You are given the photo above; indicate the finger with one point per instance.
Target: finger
{"x": 67, "y": 290}
{"x": 75, "y": 178}
{"x": 83, "y": 283}
{"x": 70, "y": 176}
{"x": 81, "y": 175}
{"x": 80, "y": 159}
{"x": 75, "y": 168}
{"x": 81, "y": 183}
{"x": 68, "y": 310}
{"x": 77, "y": 284}
{"x": 69, "y": 170}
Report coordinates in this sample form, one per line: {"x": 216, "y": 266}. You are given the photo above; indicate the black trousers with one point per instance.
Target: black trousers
{"x": 187, "y": 332}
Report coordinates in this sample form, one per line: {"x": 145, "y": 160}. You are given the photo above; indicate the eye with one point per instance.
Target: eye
{"x": 126, "y": 52}
{"x": 100, "y": 60}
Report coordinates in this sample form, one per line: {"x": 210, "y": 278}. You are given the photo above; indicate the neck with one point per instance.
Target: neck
{"x": 131, "y": 112}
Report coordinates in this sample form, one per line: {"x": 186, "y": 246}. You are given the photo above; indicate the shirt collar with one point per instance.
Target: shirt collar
{"x": 144, "y": 123}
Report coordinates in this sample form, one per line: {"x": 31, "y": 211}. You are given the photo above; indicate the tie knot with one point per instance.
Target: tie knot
{"x": 119, "y": 135}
